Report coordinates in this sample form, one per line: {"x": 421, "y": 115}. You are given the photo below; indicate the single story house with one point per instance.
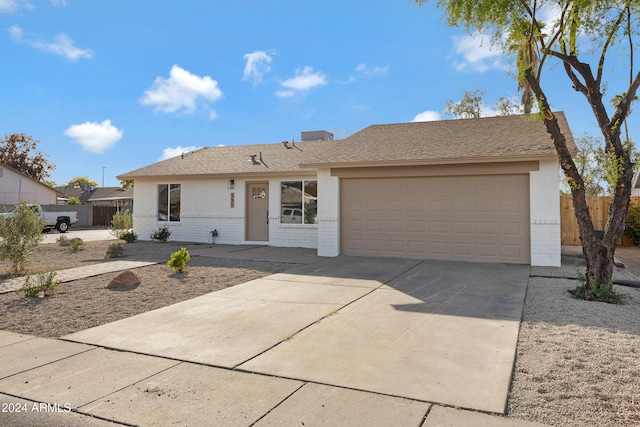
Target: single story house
{"x": 16, "y": 186}
{"x": 99, "y": 196}
{"x": 483, "y": 189}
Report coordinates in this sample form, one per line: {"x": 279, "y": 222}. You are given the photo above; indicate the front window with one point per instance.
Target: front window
{"x": 169, "y": 202}
{"x": 299, "y": 202}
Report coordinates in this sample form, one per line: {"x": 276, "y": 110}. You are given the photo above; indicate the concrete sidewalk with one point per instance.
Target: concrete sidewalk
{"x": 343, "y": 341}
{"x": 57, "y": 383}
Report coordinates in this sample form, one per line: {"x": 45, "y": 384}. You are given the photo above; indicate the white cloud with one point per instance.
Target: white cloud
{"x": 59, "y": 2}
{"x": 95, "y": 137}
{"x": 62, "y": 45}
{"x": 257, "y": 66}
{"x": 477, "y": 54}
{"x": 427, "y": 116}
{"x": 8, "y": 6}
{"x": 369, "y": 72}
{"x": 168, "y": 153}
{"x": 285, "y": 93}
{"x": 12, "y": 6}
{"x": 304, "y": 80}
{"x": 181, "y": 90}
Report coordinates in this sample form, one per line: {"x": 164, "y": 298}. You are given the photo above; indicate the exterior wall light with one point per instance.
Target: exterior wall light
{"x": 230, "y": 184}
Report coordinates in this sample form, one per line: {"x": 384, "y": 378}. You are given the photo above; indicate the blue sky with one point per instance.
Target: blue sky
{"x": 110, "y": 86}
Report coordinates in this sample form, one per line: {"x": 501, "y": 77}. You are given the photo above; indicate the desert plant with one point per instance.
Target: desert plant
{"x": 76, "y": 244}
{"x": 21, "y": 231}
{"x": 115, "y": 250}
{"x": 121, "y": 222}
{"x": 62, "y": 240}
{"x": 129, "y": 236}
{"x": 632, "y": 224}
{"x": 593, "y": 291}
{"x": 161, "y": 234}
{"x": 178, "y": 260}
{"x": 43, "y": 285}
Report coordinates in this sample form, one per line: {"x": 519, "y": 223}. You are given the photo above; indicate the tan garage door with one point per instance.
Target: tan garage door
{"x": 482, "y": 218}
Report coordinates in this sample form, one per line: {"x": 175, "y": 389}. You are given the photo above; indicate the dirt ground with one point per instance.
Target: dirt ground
{"x": 85, "y": 303}
{"x": 577, "y": 362}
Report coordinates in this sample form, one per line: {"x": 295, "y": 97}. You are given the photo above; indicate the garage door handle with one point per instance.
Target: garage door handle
{"x": 267, "y": 217}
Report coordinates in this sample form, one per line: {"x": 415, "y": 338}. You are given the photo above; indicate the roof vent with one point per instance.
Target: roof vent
{"x": 316, "y": 135}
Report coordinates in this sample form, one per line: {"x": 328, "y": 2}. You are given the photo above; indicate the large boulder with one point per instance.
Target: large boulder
{"x": 125, "y": 279}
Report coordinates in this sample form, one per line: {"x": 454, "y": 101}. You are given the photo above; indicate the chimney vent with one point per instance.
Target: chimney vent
{"x": 316, "y": 135}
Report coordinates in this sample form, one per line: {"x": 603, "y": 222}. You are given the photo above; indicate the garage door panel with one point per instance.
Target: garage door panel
{"x": 462, "y": 217}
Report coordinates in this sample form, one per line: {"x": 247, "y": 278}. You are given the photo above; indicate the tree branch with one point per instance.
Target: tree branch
{"x": 613, "y": 31}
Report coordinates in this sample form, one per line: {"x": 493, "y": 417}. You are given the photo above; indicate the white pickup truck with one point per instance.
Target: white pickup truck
{"x": 61, "y": 221}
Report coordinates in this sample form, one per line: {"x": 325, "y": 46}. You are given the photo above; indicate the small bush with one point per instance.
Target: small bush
{"x": 43, "y": 285}
{"x": 62, "y": 240}
{"x": 162, "y": 234}
{"x": 73, "y": 201}
{"x": 128, "y": 236}
{"x": 121, "y": 222}
{"x": 593, "y": 291}
{"x": 115, "y": 250}
{"x": 178, "y": 260}
{"x": 76, "y": 244}
{"x": 632, "y": 224}
{"x": 20, "y": 233}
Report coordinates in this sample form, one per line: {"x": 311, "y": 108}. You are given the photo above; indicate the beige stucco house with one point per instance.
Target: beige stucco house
{"x": 16, "y": 186}
{"x": 475, "y": 189}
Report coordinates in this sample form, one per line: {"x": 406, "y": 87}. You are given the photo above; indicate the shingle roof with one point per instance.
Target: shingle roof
{"x": 447, "y": 141}
{"x": 483, "y": 139}
{"x": 236, "y": 160}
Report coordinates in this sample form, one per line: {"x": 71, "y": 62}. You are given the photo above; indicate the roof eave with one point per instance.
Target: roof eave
{"x": 429, "y": 162}
{"x": 224, "y": 175}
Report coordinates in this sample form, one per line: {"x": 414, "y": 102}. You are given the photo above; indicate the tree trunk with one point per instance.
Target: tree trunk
{"x": 598, "y": 252}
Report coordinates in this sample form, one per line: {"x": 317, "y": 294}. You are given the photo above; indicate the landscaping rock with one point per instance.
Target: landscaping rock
{"x": 124, "y": 280}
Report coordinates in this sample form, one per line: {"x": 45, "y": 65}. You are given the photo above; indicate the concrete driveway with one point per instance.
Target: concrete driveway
{"x": 430, "y": 331}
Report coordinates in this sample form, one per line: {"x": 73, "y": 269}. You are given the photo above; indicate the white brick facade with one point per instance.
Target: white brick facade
{"x": 206, "y": 205}
{"x": 544, "y": 207}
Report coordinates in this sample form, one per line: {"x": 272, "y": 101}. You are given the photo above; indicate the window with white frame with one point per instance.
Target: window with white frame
{"x": 299, "y": 202}
{"x": 169, "y": 202}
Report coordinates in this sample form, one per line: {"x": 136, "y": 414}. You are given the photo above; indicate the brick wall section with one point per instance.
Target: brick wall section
{"x": 545, "y": 248}
{"x": 328, "y": 214}
{"x": 544, "y": 200}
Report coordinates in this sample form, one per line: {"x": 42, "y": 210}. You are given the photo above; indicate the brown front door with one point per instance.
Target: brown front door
{"x": 258, "y": 211}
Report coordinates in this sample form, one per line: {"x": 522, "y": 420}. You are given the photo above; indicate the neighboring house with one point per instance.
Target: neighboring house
{"x": 100, "y": 196}
{"x": 16, "y": 186}
{"x": 475, "y": 189}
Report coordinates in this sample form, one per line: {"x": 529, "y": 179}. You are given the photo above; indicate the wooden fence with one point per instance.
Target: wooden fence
{"x": 102, "y": 215}
{"x": 599, "y": 209}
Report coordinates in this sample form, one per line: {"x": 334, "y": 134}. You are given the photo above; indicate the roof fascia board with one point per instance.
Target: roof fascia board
{"x": 467, "y": 160}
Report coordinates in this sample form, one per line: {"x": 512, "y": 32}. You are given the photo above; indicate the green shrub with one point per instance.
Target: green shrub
{"x": 43, "y": 285}
{"x": 594, "y": 291}
{"x": 115, "y": 250}
{"x": 121, "y": 222}
{"x": 632, "y": 224}
{"x": 178, "y": 260}
{"x": 128, "y": 236}
{"x": 62, "y": 240}
{"x": 76, "y": 244}
{"x": 73, "y": 201}
{"x": 20, "y": 233}
{"x": 162, "y": 234}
